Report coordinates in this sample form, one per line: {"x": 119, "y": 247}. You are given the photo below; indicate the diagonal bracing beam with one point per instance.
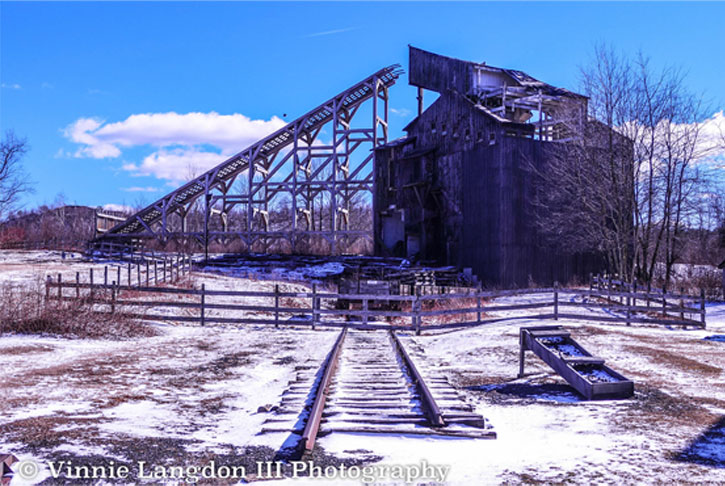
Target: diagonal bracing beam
{"x": 291, "y": 161}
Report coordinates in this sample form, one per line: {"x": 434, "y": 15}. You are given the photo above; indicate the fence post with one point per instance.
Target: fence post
{"x": 276, "y": 306}
{"x": 634, "y": 290}
{"x": 649, "y": 291}
{"x": 129, "y": 275}
{"x": 591, "y": 282}
{"x": 78, "y": 285}
{"x": 682, "y": 304}
{"x": 702, "y": 307}
{"x": 147, "y": 273}
{"x": 164, "y": 269}
{"x": 629, "y": 308}
{"x": 60, "y": 288}
{"x": 365, "y": 311}
{"x": 416, "y": 311}
{"x": 105, "y": 275}
{"x": 156, "y": 272}
{"x": 609, "y": 289}
{"x": 314, "y": 305}
{"x": 478, "y": 306}
{"x": 521, "y": 353}
{"x": 48, "y": 280}
{"x": 203, "y": 303}
{"x": 113, "y": 297}
{"x": 138, "y": 273}
{"x": 664, "y": 302}
{"x": 556, "y": 301}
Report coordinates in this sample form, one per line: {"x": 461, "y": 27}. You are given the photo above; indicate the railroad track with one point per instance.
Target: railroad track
{"x": 369, "y": 383}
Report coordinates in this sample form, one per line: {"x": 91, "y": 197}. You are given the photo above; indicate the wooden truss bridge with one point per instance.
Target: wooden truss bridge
{"x": 323, "y": 160}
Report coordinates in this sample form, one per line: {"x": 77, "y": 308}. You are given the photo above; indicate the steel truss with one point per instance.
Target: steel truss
{"x": 295, "y": 171}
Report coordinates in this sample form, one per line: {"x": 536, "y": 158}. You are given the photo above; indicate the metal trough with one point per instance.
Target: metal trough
{"x": 586, "y": 373}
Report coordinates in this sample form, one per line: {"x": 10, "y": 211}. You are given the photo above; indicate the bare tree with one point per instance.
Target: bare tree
{"x": 631, "y": 183}
{"x": 13, "y": 179}
{"x": 585, "y": 196}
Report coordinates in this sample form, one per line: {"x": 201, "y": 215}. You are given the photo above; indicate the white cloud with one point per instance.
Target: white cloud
{"x": 181, "y": 141}
{"x": 118, "y": 207}
{"x": 179, "y": 164}
{"x": 403, "y": 112}
{"x": 11, "y": 86}
{"x": 330, "y": 32}
{"x": 82, "y": 132}
{"x": 140, "y": 189}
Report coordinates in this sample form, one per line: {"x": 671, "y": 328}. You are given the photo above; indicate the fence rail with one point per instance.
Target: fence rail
{"x": 137, "y": 298}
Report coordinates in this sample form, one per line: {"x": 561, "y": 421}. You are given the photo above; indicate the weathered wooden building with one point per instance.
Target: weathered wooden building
{"x": 458, "y": 188}
{"x": 61, "y": 227}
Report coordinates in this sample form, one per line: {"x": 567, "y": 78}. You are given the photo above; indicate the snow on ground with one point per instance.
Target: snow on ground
{"x": 191, "y": 394}
{"x": 28, "y": 267}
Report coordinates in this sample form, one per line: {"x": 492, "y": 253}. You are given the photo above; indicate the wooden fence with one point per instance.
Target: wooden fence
{"x": 322, "y": 308}
{"x": 165, "y": 270}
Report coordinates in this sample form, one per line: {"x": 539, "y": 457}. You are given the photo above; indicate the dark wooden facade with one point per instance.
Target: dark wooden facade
{"x": 458, "y": 190}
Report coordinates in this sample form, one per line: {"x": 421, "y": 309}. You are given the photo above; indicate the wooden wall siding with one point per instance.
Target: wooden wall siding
{"x": 438, "y": 73}
{"x": 466, "y": 191}
{"x": 462, "y": 181}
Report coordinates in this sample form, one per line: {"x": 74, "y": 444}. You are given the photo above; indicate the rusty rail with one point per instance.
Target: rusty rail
{"x": 430, "y": 407}
{"x": 309, "y": 435}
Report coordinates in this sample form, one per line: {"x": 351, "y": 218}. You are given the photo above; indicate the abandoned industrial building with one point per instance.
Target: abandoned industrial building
{"x": 455, "y": 190}
{"x": 458, "y": 188}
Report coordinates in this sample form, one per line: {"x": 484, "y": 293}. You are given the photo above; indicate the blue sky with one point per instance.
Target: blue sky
{"x": 135, "y": 71}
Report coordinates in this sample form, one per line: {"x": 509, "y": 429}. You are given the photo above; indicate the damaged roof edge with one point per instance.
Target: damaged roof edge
{"x": 439, "y": 73}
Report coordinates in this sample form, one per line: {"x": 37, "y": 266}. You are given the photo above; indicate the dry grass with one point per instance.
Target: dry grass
{"x": 676, "y": 360}
{"x": 25, "y": 310}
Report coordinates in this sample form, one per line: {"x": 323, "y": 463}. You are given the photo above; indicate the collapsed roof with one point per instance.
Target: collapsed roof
{"x": 508, "y": 95}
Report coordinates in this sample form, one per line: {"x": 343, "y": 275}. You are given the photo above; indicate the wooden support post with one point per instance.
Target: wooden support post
{"x": 276, "y": 306}
{"x": 702, "y": 308}
{"x": 416, "y": 311}
{"x": 649, "y": 291}
{"x": 522, "y": 352}
{"x": 113, "y": 297}
{"x": 105, "y": 275}
{"x": 365, "y": 311}
{"x": 138, "y": 273}
{"x": 609, "y": 289}
{"x": 556, "y": 301}
{"x": 60, "y": 287}
{"x": 314, "y": 305}
{"x": 156, "y": 272}
{"x": 129, "y": 275}
{"x": 164, "y": 269}
{"x": 78, "y": 285}
{"x": 202, "y": 317}
{"x": 664, "y": 302}
{"x": 147, "y": 273}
